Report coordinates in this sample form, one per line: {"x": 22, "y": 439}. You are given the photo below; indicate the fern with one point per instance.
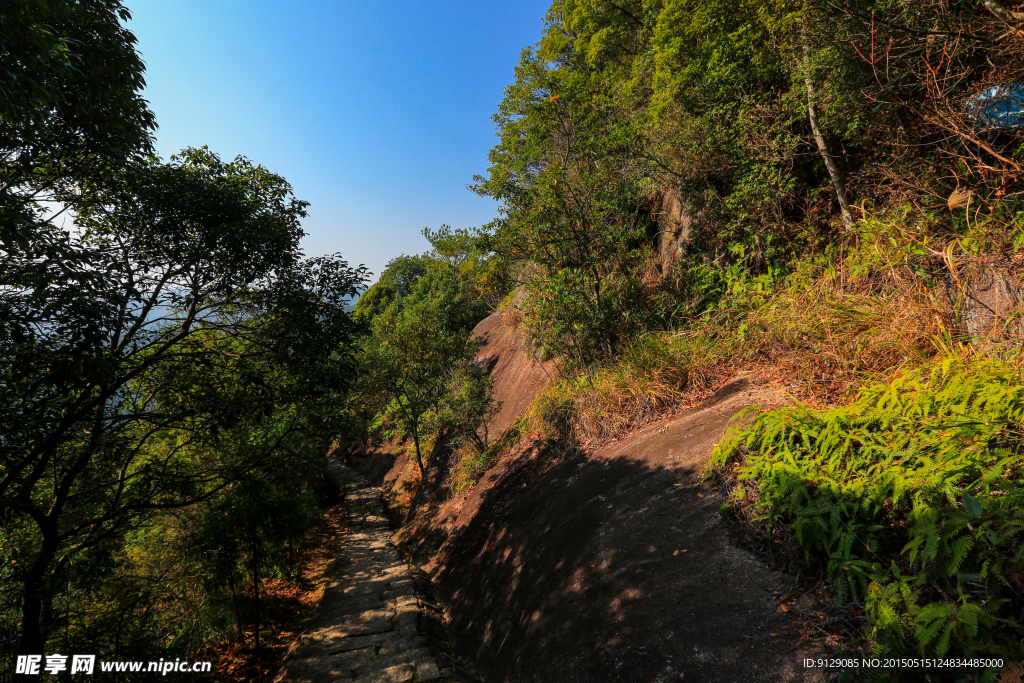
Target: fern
{"x": 927, "y": 467}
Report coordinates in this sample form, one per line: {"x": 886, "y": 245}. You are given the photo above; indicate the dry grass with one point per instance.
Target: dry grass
{"x": 833, "y": 323}
{"x": 826, "y": 338}
{"x": 657, "y": 374}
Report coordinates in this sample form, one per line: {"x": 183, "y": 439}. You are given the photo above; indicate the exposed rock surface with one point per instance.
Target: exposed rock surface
{"x": 600, "y": 564}
{"x": 991, "y": 306}
{"x": 516, "y": 372}
{"x": 370, "y": 625}
{"x": 609, "y": 565}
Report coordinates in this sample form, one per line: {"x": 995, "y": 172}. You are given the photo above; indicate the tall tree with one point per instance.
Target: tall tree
{"x": 197, "y": 290}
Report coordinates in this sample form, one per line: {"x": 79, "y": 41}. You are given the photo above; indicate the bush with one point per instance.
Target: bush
{"x": 909, "y": 498}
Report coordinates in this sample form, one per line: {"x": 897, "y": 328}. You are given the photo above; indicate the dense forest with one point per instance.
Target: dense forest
{"x": 826, "y": 193}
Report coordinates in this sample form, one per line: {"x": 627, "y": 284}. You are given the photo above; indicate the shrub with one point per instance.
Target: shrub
{"x": 909, "y": 498}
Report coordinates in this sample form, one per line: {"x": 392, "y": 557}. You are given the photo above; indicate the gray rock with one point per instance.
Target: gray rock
{"x": 365, "y": 628}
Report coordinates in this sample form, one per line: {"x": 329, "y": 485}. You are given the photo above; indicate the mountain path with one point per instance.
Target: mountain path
{"x": 371, "y": 625}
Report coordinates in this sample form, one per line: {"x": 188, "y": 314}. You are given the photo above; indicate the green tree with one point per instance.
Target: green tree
{"x": 469, "y": 406}
{"x": 415, "y": 346}
{"x": 197, "y": 291}
{"x": 250, "y": 528}
{"x": 70, "y": 108}
{"x": 396, "y": 282}
{"x": 769, "y": 122}
{"x": 575, "y": 222}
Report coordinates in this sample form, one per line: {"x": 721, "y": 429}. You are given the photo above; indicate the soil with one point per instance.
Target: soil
{"x": 611, "y": 563}
{"x": 285, "y": 605}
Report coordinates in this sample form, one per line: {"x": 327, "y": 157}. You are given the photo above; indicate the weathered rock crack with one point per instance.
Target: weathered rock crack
{"x": 369, "y": 624}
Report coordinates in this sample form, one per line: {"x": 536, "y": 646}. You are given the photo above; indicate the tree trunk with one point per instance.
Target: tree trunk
{"x": 416, "y": 443}
{"x": 819, "y": 138}
{"x": 256, "y": 589}
{"x": 234, "y": 607}
{"x": 34, "y": 598}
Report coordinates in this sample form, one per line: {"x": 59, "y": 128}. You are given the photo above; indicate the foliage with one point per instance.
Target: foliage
{"x": 419, "y": 316}
{"x": 865, "y": 306}
{"x": 199, "y": 326}
{"x": 576, "y": 206}
{"x": 254, "y": 528}
{"x": 467, "y": 412}
{"x": 627, "y": 112}
{"x": 70, "y": 108}
{"x": 469, "y": 407}
{"x": 413, "y": 349}
{"x": 909, "y": 497}
{"x": 395, "y": 283}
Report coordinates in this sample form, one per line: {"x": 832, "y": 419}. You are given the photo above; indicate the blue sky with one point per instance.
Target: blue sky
{"x": 377, "y": 112}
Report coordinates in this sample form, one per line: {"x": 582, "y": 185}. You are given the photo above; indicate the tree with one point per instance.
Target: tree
{"x": 249, "y": 526}
{"x": 575, "y": 221}
{"x": 396, "y": 282}
{"x": 469, "y": 406}
{"x": 196, "y": 290}
{"x": 174, "y": 341}
{"x": 415, "y": 345}
{"x": 70, "y": 107}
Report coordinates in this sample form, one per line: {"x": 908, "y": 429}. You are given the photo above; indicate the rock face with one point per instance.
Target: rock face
{"x": 517, "y": 374}
{"x": 369, "y": 624}
{"x": 610, "y": 564}
{"x": 992, "y": 301}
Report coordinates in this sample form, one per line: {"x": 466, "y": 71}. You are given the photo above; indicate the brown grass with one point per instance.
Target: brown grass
{"x": 819, "y": 336}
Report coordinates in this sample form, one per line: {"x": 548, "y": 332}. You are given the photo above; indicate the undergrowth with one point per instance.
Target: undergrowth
{"x": 470, "y": 460}
{"x": 909, "y": 497}
{"x": 865, "y": 307}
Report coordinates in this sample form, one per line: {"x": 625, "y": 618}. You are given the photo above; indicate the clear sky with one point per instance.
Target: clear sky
{"x": 376, "y": 111}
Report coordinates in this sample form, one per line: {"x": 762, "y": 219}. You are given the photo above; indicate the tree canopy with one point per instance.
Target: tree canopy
{"x": 165, "y": 346}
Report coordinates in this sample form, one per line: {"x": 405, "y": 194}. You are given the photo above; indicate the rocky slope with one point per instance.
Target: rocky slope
{"x": 604, "y": 564}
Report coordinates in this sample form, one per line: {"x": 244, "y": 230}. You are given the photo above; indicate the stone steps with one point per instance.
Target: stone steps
{"x": 366, "y": 627}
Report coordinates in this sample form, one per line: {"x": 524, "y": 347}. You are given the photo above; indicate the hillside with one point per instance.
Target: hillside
{"x": 610, "y": 563}
{"x": 733, "y": 378}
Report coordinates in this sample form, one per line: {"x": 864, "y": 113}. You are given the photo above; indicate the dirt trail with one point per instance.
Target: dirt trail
{"x": 603, "y": 565}
{"x": 370, "y": 623}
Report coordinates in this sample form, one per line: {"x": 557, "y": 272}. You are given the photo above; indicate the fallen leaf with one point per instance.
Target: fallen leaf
{"x": 785, "y": 608}
{"x": 675, "y": 553}
{"x": 684, "y": 551}
{"x": 846, "y": 568}
{"x": 700, "y": 495}
{"x": 609, "y": 506}
{"x": 773, "y": 633}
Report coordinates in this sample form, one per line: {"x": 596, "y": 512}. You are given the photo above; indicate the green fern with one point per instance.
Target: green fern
{"x": 927, "y": 467}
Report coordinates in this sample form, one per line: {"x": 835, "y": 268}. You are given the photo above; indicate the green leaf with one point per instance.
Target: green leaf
{"x": 972, "y": 506}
